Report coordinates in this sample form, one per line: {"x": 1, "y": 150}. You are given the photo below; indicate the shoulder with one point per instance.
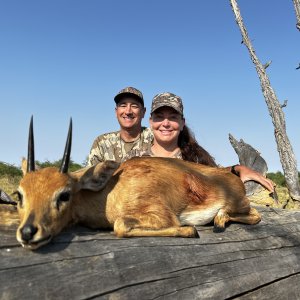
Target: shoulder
{"x": 104, "y": 148}
{"x": 146, "y": 134}
{"x": 178, "y": 155}
{"x": 107, "y": 137}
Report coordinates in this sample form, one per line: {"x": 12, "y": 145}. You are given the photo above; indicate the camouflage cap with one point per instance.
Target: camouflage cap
{"x": 130, "y": 92}
{"x": 167, "y": 99}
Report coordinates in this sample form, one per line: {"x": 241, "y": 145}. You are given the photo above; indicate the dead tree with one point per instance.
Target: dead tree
{"x": 284, "y": 147}
{"x": 297, "y": 10}
{"x": 250, "y": 157}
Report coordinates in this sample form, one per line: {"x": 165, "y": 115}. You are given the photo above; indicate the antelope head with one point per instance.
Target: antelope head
{"x": 47, "y": 197}
{"x": 43, "y": 197}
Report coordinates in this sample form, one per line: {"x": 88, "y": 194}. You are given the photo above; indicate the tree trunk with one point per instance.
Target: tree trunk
{"x": 251, "y": 158}
{"x": 284, "y": 147}
{"x": 297, "y": 10}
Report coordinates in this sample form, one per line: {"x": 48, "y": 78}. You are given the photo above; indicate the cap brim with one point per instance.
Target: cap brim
{"x": 123, "y": 95}
{"x": 166, "y": 105}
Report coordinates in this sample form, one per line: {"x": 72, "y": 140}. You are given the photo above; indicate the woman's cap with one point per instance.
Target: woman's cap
{"x": 130, "y": 92}
{"x": 167, "y": 99}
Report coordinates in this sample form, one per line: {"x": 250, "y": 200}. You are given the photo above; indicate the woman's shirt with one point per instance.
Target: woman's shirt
{"x": 147, "y": 152}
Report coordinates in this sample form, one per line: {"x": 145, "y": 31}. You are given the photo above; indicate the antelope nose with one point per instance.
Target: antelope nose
{"x": 28, "y": 231}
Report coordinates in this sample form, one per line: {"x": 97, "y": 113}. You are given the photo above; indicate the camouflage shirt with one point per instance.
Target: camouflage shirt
{"x": 146, "y": 152}
{"x": 110, "y": 146}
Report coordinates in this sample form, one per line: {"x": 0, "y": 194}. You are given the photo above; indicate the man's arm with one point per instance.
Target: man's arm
{"x": 95, "y": 155}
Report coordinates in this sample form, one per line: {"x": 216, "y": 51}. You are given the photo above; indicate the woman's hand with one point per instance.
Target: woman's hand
{"x": 247, "y": 174}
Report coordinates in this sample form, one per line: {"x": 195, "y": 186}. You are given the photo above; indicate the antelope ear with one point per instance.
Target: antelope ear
{"x": 96, "y": 177}
{"x": 24, "y": 165}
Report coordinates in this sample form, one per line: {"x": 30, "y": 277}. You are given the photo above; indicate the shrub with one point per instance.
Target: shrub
{"x": 57, "y": 163}
{"x": 278, "y": 178}
{"x": 13, "y": 171}
{"x": 10, "y": 170}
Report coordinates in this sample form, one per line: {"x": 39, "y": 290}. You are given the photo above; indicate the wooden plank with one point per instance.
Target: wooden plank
{"x": 244, "y": 262}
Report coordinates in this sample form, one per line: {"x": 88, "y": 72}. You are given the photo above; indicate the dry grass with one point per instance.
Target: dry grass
{"x": 9, "y": 184}
{"x": 263, "y": 198}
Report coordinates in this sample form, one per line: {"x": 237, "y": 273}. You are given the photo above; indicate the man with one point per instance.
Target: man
{"x": 129, "y": 111}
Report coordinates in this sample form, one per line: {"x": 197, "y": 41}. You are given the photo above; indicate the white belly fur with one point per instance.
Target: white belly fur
{"x": 198, "y": 217}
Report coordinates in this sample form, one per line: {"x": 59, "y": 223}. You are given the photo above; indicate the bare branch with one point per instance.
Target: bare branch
{"x": 284, "y": 104}
{"x": 297, "y": 10}
{"x": 284, "y": 147}
{"x": 266, "y": 65}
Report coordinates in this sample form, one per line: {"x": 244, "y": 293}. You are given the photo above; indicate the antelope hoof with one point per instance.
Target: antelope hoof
{"x": 218, "y": 229}
{"x": 196, "y": 234}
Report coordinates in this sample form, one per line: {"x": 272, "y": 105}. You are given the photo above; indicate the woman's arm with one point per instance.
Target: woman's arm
{"x": 247, "y": 174}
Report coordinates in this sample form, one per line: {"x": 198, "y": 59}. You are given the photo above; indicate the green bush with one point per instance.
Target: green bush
{"x": 10, "y": 170}
{"x": 278, "y": 178}
{"x": 13, "y": 171}
{"x": 57, "y": 163}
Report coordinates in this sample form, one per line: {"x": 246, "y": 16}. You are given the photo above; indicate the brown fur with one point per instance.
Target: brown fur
{"x": 141, "y": 197}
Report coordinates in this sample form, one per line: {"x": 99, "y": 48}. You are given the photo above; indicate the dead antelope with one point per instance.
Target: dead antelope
{"x": 141, "y": 197}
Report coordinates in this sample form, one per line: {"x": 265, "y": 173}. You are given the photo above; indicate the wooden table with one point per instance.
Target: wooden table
{"x": 244, "y": 262}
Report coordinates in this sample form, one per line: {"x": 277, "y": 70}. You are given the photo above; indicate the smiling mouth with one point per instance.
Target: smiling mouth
{"x": 165, "y": 132}
{"x": 36, "y": 244}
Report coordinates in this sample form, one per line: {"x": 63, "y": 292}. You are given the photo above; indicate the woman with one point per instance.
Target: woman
{"x": 172, "y": 138}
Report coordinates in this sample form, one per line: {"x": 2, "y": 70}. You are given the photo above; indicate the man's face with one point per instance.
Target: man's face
{"x": 129, "y": 113}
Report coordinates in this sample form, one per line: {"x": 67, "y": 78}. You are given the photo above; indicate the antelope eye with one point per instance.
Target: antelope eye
{"x": 62, "y": 198}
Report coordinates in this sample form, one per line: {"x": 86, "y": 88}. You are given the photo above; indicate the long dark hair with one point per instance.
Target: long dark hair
{"x": 191, "y": 150}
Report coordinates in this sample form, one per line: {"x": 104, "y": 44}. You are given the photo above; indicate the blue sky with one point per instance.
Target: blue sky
{"x": 68, "y": 58}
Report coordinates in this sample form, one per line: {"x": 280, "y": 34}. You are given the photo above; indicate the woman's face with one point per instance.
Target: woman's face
{"x": 166, "y": 124}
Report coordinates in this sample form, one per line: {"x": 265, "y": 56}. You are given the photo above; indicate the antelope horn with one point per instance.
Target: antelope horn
{"x": 30, "y": 154}
{"x": 66, "y": 158}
